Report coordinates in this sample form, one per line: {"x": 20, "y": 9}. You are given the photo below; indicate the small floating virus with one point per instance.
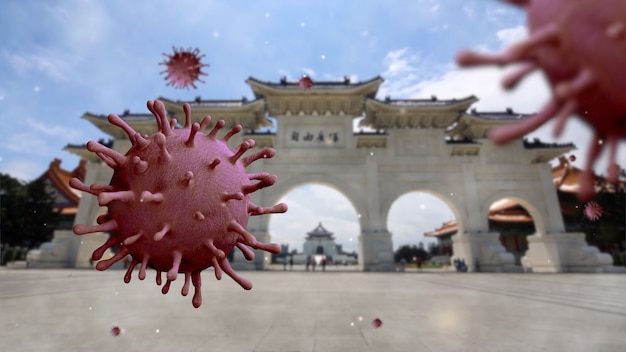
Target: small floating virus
{"x": 572, "y": 158}
{"x": 116, "y": 331}
{"x": 183, "y": 68}
{"x": 593, "y": 211}
{"x": 179, "y": 201}
{"x": 580, "y": 45}
{"x": 376, "y": 323}
{"x": 305, "y": 82}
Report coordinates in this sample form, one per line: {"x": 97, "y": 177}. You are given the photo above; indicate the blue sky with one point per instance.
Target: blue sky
{"x": 66, "y": 57}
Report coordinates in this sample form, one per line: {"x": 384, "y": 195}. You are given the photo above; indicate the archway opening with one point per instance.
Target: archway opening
{"x": 514, "y": 222}
{"x": 321, "y": 224}
{"x": 422, "y": 225}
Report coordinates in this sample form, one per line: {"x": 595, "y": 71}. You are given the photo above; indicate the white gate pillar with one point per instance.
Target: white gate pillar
{"x": 375, "y": 246}
{"x": 480, "y": 249}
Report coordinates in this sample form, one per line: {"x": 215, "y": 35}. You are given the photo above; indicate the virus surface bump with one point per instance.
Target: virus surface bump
{"x": 183, "y": 68}
{"x": 305, "y": 82}
{"x": 179, "y": 201}
{"x": 593, "y": 211}
{"x": 580, "y": 46}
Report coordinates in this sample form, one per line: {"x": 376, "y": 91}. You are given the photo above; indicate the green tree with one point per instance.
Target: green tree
{"x": 28, "y": 214}
{"x": 407, "y": 253}
{"x": 12, "y": 193}
{"x": 607, "y": 233}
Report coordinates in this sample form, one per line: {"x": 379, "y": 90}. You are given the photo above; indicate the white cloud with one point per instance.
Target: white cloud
{"x": 510, "y": 36}
{"x": 398, "y": 63}
{"x": 53, "y": 130}
{"x": 469, "y": 10}
{"x": 40, "y": 61}
{"x": 494, "y": 14}
{"x": 28, "y": 143}
{"x": 22, "y": 170}
{"x": 90, "y": 23}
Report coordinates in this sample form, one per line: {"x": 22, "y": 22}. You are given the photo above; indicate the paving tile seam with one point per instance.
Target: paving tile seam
{"x": 583, "y": 298}
{"x": 50, "y": 293}
{"x": 545, "y": 299}
{"x": 565, "y": 288}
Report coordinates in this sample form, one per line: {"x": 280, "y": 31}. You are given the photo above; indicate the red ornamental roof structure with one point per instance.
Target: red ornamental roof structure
{"x": 66, "y": 198}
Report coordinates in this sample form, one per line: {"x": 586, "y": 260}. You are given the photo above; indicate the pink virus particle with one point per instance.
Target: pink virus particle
{"x": 593, "y": 211}
{"x": 305, "y": 82}
{"x": 376, "y": 323}
{"x": 572, "y": 158}
{"x": 580, "y": 46}
{"x": 183, "y": 68}
{"x": 179, "y": 201}
{"x": 116, "y": 331}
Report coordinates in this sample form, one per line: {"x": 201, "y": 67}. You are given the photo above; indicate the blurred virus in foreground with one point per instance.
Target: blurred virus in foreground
{"x": 179, "y": 201}
{"x": 183, "y": 68}
{"x": 580, "y": 46}
{"x": 376, "y": 323}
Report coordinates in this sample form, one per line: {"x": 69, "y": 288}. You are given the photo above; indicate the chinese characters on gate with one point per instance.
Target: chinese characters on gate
{"x": 317, "y": 137}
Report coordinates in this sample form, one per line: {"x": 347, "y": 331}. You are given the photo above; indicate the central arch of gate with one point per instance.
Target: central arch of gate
{"x": 399, "y": 145}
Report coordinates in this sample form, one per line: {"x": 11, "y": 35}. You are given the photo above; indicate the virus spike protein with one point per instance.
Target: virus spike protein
{"x": 174, "y": 190}
{"x": 580, "y": 47}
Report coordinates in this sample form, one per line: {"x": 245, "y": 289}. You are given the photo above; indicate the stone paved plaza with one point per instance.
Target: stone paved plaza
{"x": 75, "y": 310}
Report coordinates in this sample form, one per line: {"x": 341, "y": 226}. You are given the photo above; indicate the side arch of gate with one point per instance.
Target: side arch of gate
{"x": 453, "y": 199}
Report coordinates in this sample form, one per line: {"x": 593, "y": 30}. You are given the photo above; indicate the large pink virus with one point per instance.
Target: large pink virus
{"x": 580, "y": 45}
{"x": 183, "y": 68}
{"x": 179, "y": 201}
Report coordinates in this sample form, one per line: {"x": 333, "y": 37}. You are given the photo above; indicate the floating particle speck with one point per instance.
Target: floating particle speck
{"x": 593, "y": 211}
{"x": 376, "y": 323}
{"x": 572, "y": 158}
{"x": 116, "y": 331}
{"x": 305, "y": 82}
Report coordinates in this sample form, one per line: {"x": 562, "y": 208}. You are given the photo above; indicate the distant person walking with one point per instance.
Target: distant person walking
{"x": 418, "y": 261}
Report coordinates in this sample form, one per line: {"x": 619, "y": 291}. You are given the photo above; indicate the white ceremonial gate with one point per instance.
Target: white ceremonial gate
{"x": 431, "y": 145}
